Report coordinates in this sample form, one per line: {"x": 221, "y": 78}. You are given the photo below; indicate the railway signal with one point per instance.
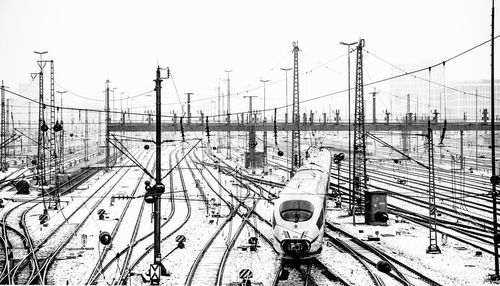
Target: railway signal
{"x": 383, "y": 266}
{"x": 337, "y": 159}
{"x": 180, "y": 239}
{"x": 105, "y": 238}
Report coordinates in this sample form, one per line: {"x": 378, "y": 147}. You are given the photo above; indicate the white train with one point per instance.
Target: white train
{"x": 299, "y": 212}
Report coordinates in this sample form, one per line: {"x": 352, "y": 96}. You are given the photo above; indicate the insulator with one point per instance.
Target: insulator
{"x": 44, "y": 127}
{"x": 57, "y": 127}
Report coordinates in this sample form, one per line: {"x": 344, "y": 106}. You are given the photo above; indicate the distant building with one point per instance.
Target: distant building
{"x": 462, "y": 102}
{"x": 451, "y": 100}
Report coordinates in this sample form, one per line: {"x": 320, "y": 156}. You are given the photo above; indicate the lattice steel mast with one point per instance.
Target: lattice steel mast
{"x": 359, "y": 169}
{"x": 53, "y": 154}
{"x": 296, "y": 161}
{"x": 106, "y": 150}
{"x": 3, "y": 154}
{"x": 42, "y": 128}
{"x": 433, "y": 247}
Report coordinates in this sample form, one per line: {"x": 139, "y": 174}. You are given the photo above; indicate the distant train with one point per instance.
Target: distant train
{"x": 299, "y": 213}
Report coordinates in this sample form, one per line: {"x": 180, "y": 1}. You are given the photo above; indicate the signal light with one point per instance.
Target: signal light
{"x": 381, "y": 216}
{"x": 495, "y": 180}
{"x": 337, "y": 158}
{"x": 150, "y": 198}
{"x": 384, "y": 266}
{"x": 33, "y": 162}
{"x": 159, "y": 188}
{"x": 280, "y": 153}
{"x": 104, "y": 238}
{"x": 146, "y": 147}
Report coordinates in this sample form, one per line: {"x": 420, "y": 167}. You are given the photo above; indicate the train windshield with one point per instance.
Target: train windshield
{"x": 296, "y": 210}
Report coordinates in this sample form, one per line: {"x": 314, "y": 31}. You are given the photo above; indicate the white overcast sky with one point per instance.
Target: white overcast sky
{"x": 91, "y": 41}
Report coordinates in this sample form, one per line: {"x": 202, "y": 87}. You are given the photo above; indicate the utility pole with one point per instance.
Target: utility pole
{"x": 29, "y": 125}
{"x": 374, "y": 93}
{"x": 3, "y": 154}
{"x": 113, "y": 115}
{"x": 53, "y": 154}
{"x": 61, "y": 136}
{"x": 158, "y": 189}
{"x": 189, "y": 107}
{"x": 106, "y": 150}
{"x": 86, "y": 143}
{"x": 219, "y": 144}
{"x": 476, "y": 132}
{"x": 251, "y": 135}
{"x": 286, "y": 118}
{"x": 433, "y": 248}
{"x": 228, "y": 115}
{"x": 351, "y": 194}
{"x": 296, "y": 160}
{"x": 42, "y": 129}
{"x": 359, "y": 171}
{"x": 494, "y": 178}
{"x": 264, "y": 163}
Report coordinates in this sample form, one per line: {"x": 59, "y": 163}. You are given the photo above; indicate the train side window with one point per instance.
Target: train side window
{"x": 296, "y": 210}
{"x": 319, "y": 223}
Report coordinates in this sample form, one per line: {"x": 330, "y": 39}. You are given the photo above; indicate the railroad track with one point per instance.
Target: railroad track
{"x": 49, "y": 247}
{"x": 116, "y": 227}
{"x": 316, "y": 273}
{"x": 399, "y": 271}
{"x": 144, "y": 250}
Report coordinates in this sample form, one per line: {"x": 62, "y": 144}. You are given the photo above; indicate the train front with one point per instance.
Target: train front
{"x": 299, "y": 212}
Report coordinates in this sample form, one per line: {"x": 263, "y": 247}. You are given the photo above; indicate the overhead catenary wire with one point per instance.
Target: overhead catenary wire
{"x": 274, "y": 82}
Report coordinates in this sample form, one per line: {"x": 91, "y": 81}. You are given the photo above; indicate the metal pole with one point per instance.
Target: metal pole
{"x": 61, "y": 135}
{"x": 107, "y": 125}
{"x": 189, "y": 106}
{"x": 351, "y": 197}
{"x": 228, "y": 115}
{"x": 159, "y": 186}
{"x": 218, "y": 116}
{"x": 3, "y": 135}
{"x": 493, "y": 169}
{"x": 157, "y": 239}
{"x": 476, "y": 131}
{"x": 286, "y": 121}
{"x": 29, "y": 124}
{"x": 264, "y": 163}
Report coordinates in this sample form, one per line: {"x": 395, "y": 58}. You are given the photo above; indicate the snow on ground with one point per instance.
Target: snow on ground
{"x": 456, "y": 265}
